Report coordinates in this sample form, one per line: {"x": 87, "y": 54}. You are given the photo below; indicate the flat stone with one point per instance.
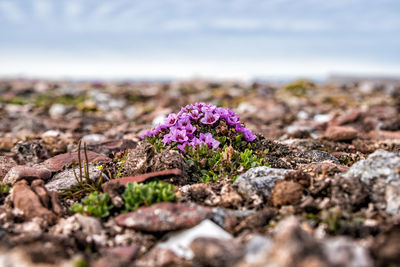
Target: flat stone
{"x": 318, "y": 156}
{"x": 26, "y": 200}
{"x": 111, "y": 146}
{"x": 18, "y": 173}
{"x": 179, "y": 242}
{"x": 142, "y": 177}
{"x": 341, "y": 133}
{"x": 259, "y": 180}
{"x": 65, "y": 179}
{"x": 164, "y": 216}
{"x": 6, "y": 163}
{"x": 381, "y": 172}
{"x": 58, "y": 162}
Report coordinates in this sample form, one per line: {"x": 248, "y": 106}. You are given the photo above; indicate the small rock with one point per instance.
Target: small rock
{"x": 286, "y": 193}
{"x": 41, "y": 192}
{"x": 137, "y": 159}
{"x": 142, "y": 159}
{"x": 143, "y": 177}
{"x": 58, "y": 162}
{"x": 57, "y": 110}
{"x": 171, "y": 159}
{"x": 161, "y": 258}
{"x": 27, "y": 201}
{"x": 294, "y": 247}
{"x": 318, "y": 156}
{"x": 126, "y": 253}
{"x": 257, "y": 247}
{"x": 30, "y": 152}
{"x": 66, "y": 178}
{"x": 259, "y": 180}
{"x": 322, "y": 118}
{"x": 214, "y": 252}
{"x": 386, "y": 248}
{"x": 6, "y": 163}
{"x": 381, "y": 173}
{"x": 93, "y": 138}
{"x": 111, "y": 146}
{"x": 341, "y": 251}
{"x": 341, "y": 133}
{"x": 88, "y": 225}
{"x": 18, "y": 173}
{"x": 55, "y": 133}
{"x": 179, "y": 242}
{"x": 349, "y": 194}
{"x": 348, "y": 117}
{"x": 164, "y": 216}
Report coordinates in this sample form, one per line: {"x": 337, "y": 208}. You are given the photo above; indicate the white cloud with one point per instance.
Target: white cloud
{"x": 73, "y": 9}
{"x": 42, "y": 8}
{"x": 12, "y": 11}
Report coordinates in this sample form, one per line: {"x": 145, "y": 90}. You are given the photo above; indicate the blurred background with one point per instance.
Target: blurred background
{"x": 213, "y": 39}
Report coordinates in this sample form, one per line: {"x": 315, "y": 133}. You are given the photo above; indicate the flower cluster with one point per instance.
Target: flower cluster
{"x": 186, "y": 127}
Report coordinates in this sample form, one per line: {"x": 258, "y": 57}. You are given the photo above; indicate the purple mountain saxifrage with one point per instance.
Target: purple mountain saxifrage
{"x": 195, "y": 125}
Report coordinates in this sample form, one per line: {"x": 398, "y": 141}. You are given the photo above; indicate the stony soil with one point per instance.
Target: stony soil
{"x": 330, "y": 198}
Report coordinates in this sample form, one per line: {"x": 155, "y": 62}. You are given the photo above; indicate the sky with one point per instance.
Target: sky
{"x": 169, "y": 39}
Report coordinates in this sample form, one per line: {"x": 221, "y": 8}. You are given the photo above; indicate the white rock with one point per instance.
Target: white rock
{"x": 342, "y": 251}
{"x": 322, "y": 118}
{"x": 57, "y": 110}
{"x": 66, "y": 178}
{"x": 179, "y": 242}
{"x": 93, "y": 138}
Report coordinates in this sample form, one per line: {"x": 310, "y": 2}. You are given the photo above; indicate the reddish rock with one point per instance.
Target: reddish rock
{"x": 58, "y": 162}
{"x": 26, "y": 200}
{"x": 6, "y": 163}
{"x": 209, "y": 251}
{"x": 109, "y": 146}
{"x": 385, "y": 135}
{"x": 28, "y": 173}
{"x": 286, "y": 193}
{"x": 164, "y": 216}
{"x": 41, "y": 192}
{"x": 126, "y": 253}
{"x": 55, "y": 203}
{"x": 143, "y": 177}
{"x": 341, "y": 133}
{"x": 348, "y": 117}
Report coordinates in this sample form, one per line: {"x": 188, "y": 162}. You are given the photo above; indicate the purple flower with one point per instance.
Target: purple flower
{"x": 195, "y": 114}
{"x": 182, "y": 147}
{"x": 171, "y": 120}
{"x": 148, "y": 133}
{"x": 190, "y": 129}
{"x": 249, "y": 136}
{"x": 167, "y": 138}
{"x": 180, "y": 136}
{"x": 208, "y": 108}
{"x": 222, "y": 112}
{"x": 209, "y": 118}
{"x": 200, "y": 105}
{"x": 183, "y": 122}
{"x": 208, "y": 139}
{"x": 233, "y": 120}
